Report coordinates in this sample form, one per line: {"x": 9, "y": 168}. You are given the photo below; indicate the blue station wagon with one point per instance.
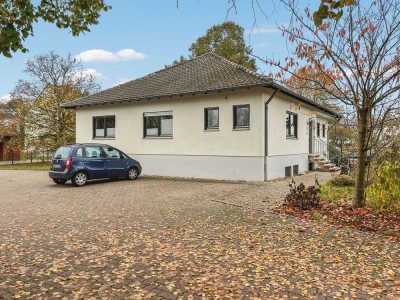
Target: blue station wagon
{"x": 82, "y": 162}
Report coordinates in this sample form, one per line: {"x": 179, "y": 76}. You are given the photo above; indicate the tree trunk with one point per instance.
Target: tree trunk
{"x": 359, "y": 199}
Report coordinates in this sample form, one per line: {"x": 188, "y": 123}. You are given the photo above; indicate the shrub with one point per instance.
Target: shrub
{"x": 343, "y": 180}
{"x": 384, "y": 192}
{"x": 302, "y": 197}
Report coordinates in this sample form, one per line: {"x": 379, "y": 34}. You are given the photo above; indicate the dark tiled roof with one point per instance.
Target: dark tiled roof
{"x": 208, "y": 72}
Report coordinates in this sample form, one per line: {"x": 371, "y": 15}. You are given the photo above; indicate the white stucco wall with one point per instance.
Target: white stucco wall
{"x": 283, "y": 151}
{"x": 219, "y": 154}
{"x": 189, "y": 136}
{"x": 235, "y": 154}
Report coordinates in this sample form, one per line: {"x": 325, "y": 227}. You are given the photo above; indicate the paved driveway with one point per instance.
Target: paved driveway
{"x": 169, "y": 239}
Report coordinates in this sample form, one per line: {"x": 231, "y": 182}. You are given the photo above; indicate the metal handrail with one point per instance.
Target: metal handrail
{"x": 320, "y": 147}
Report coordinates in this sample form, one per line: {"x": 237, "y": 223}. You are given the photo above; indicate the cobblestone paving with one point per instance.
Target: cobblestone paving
{"x": 164, "y": 239}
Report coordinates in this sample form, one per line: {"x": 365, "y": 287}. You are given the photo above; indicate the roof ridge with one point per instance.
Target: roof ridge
{"x": 254, "y": 73}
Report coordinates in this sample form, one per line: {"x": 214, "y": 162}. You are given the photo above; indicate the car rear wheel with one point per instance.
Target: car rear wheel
{"x": 79, "y": 179}
{"x": 59, "y": 181}
{"x": 133, "y": 173}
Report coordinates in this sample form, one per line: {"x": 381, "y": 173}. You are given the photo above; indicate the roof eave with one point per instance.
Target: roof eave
{"x": 68, "y": 105}
{"x": 302, "y": 98}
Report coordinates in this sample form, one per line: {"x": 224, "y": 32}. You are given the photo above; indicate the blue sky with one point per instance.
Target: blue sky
{"x": 153, "y": 33}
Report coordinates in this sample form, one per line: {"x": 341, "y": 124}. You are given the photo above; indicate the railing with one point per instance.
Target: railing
{"x": 318, "y": 146}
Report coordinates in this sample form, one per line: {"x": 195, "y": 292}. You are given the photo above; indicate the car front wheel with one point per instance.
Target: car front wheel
{"x": 79, "y": 179}
{"x": 133, "y": 173}
{"x": 59, "y": 181}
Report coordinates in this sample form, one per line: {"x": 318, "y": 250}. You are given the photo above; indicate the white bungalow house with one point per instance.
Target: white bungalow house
{"x": 208, "y": 118}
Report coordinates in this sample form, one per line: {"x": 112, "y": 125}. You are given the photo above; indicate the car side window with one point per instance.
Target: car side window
{"x": 111, "y": 152}
{"x": 93, "y": 152}
{"x": 79, "y": 153}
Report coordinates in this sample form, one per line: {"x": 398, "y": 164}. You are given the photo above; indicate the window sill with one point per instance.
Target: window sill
{"x": 104, "y": 138}
{"x": 292, "y": 138}
{"x": 157, "y": 137}
{"x": 241, "y": 128}
{"x": 211, "y": 129}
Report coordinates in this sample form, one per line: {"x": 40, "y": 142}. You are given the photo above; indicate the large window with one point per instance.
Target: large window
{"x": 211, "y": 118}
{"x": 158, "y": 124}
{"x": 241, "y": 116}
{"x": 318, "y": 129}
{"x": 291, "y": 125}
{"x": 104, "y": 127}
{"x": 323, "y": 130}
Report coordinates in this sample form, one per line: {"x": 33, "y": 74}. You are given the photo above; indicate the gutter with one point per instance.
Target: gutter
{"x": 304, "y": 99}
{"x": 266, "y": 130}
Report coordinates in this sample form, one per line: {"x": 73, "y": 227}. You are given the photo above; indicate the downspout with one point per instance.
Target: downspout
{"x": 266, "y": 131}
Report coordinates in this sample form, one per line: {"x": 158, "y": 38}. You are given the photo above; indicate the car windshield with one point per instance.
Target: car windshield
{"x": 62, "y": 153}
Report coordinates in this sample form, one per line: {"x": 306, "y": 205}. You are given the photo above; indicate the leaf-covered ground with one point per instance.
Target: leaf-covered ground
{"x": 343, "y": 214}
{"x": 166, "y": 239}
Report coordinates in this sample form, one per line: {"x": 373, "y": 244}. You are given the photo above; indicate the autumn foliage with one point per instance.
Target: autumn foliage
{"x": 384, "y": 192}
{"x": 353, "y": 60}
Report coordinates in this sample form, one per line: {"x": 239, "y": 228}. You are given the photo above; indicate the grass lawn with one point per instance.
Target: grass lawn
{"x": 40, "y": 166}
{"x": 331, "y": 192}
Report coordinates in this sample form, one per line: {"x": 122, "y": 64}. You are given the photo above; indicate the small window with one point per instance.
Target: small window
{"x": 291, "y": 125}
{"x": 241, "y": 116}
{"x": 288, "y": 171}
{"x": 104, "y": 127}
{"x": 111, "y": 152}
{"x": 323, "y": 130}
{"x": 318, "y": 129}
{"x": 211, "y": 118}
{"x": 159, "y": 124}
{"x": 295, "y": 170}
{"x": 93, "y": 152}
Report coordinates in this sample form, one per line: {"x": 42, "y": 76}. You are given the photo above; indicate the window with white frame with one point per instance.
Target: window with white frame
{"x": 158, "y": 124}
{"x": 323, "y": 130}
{"x": 104, "y": 127}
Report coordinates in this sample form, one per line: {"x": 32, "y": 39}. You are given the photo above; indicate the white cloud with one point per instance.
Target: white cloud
{"x": 88, "y": 72}
{"x": 101, "y": 55}
{"x": 5, "y": 98}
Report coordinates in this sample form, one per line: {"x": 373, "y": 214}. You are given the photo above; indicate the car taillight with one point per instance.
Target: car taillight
{"x": 68, "y": 165}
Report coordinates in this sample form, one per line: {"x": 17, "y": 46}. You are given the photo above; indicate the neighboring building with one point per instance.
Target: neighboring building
{"x": 7, "y": 153}
{"x": 207, "y": 118}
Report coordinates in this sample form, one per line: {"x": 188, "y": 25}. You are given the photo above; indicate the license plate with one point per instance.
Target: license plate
{"x": 56, "y": 166}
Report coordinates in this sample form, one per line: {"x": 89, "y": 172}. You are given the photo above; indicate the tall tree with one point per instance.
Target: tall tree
{"x": 359, "y": 56}
{"x": 226, "y": 40}
{"x": 18, "y": 16}
{"x": 54, "y": 80}
{"x": 13, "y": 118}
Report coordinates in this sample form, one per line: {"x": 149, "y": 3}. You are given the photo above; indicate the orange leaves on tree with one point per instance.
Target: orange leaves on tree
{"x": 371, "y": 27}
